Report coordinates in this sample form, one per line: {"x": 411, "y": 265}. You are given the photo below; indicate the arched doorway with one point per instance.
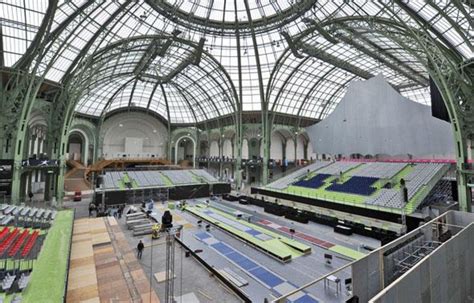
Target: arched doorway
{"x": 78, "y": 147}
{"x": 185, "y": 150}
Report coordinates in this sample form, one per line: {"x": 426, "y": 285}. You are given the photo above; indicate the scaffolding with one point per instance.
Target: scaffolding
{"x": 171, "y": 233}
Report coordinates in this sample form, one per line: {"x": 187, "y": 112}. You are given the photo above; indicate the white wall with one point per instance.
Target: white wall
{"x": 290, "y": 150}
{"x": 140, "y": 126}
{"x": 75, "y": 151}
{"x": 185, "y": 148}
{"x": 276, "y": 147}
{"x": 227, "y": 148}
{"x": 214, "y": 149}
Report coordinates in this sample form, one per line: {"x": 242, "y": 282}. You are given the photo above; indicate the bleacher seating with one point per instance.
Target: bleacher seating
{"x": 30, "y": 243}
{"x": 287, "y": 180}
{"x": 4, "y": 232}
{"x": 7, "y": 282}
{"x": 315, "y": 182}
{"x": 355, "y": 185}
{"x": 8, "y": 241}
{"x": 337, "y": 167}
{"x": 204, "y": 174}
{"x": 381, "y": 170}
{"x": 18, "y": 243}
{"x": 149, "y": 178}
{"x": 387, "y": 198}
{"x": 23, "y": 281}
{"x": 179, "y": 176}
{"x": 421, "y": 175}
{"x": 112, "y": 179}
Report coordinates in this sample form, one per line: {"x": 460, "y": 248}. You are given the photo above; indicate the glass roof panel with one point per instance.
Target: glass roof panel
{"x": 300, "y": 92}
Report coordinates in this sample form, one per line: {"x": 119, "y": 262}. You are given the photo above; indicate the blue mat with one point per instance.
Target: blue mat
{"x": 253, "y": 232}
{"x": 202, "y": 235}
{"x": 222, "y": 248}
{"x": 306, "y": 299}
{"x": 266, "y": 276}
{"x": 255, "y": 270}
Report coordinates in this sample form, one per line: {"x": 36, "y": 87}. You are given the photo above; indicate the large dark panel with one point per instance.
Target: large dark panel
{"x": 221, "y": 188}
{"x": 438, "y": 107}
{"x": 189, "y": 192}
{"x": 454, "y": 190}
{"x": 6, "y": 173}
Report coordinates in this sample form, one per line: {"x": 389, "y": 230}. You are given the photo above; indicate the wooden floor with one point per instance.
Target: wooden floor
{"x": 103, "y": 267}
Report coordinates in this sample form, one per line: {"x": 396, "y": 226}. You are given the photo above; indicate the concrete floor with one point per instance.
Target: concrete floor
{"x": 191, "y": 276}
{"x": 299, "y": 271}
{"x": 81, "y": 208}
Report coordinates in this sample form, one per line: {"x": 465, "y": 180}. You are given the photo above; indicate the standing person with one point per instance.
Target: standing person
{"x": 120, "y": 211}
{"x": 166, "y": 220}
{"x": 91, "y": 208}
{"x": 140, "y": 248}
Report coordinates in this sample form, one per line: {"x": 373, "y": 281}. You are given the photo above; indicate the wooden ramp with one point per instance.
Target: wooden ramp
{"x": 103, "y": 267}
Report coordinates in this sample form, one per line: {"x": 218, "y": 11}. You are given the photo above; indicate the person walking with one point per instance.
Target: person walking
{"x": 140, "y": 248}
{"x": 120, "y": 211}
{"x": 91, "y": 208}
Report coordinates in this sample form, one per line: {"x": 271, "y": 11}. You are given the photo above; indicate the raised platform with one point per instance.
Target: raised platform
{"x": 344, "y": 251}
{"x": 306, "y": 204}
{"x": 179, "y": 192}
{"x": 277, "y": 246}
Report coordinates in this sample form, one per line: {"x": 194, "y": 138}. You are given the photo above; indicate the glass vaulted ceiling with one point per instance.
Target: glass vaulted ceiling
{"x": 309, "y": 87}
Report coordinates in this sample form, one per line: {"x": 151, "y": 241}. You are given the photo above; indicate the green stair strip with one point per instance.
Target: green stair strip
{"x": 48, "y": 279}
{"x": 126, "y": 178}
{"x": 278, "y": 247}
{"x": 288, "y": 241}
{"x": 347, "y": 252}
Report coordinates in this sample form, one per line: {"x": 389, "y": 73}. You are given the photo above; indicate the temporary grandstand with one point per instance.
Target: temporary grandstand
{"x": 116, "y": 180}
{"x": 365, "y": 184}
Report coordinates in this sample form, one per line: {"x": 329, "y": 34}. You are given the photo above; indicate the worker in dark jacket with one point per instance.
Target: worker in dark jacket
{"x": 166, "y": 220}
{"x": 140, "y": 248}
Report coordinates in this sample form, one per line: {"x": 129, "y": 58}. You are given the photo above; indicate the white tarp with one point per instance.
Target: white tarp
{"x": 372, "y": 118}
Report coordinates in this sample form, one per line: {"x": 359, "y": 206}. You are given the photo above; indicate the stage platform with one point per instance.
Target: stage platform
{"x": 280, "y": 247}
{"x": 344, "y": 251}
{"x": 222, "y": 250}
{"x": 158, "y": 193}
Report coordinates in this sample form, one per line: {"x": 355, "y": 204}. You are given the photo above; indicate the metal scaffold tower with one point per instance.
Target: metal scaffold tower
{"x": 171, "y": 233}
